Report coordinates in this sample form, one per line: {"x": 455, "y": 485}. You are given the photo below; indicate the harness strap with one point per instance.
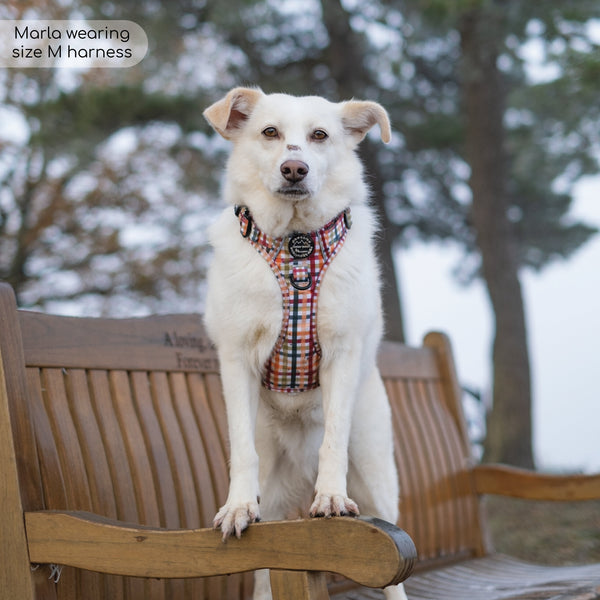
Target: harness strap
{"x": 299, "y": 262}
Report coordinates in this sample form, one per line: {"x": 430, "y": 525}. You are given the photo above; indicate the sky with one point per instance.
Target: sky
{"x": 562, "y": 310}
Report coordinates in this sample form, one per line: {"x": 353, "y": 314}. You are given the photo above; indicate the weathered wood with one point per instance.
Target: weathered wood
{"x": 397, "y": 361}
{"x": 11, "y": 354}
{"x": 502, "y": 578}
{"x": 473, "y": 525}
{"x": 438, "y": 507}
{"x": 298, "y": 585}
{"x": 173, "y": 342}
{"x": 495, "y": 577}
{"x": 369, "y": 551}
{"x": 15, "y": 576}
{"x": 452, "y": 393}
{"x": 125, "y": 419}
{"x": 529, "y": 485}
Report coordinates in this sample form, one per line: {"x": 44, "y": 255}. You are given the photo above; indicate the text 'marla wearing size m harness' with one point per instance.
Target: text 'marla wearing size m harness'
{"x": 299, "y": 262}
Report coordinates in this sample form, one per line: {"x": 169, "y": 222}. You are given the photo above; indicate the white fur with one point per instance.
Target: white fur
{"x": 334, "y": 443}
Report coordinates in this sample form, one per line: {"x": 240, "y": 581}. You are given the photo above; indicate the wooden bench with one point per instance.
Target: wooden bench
{"x": 113, "y": 453}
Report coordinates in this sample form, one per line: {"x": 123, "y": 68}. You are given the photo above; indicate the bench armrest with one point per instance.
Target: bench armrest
{"x": 504, "y": 480}
{"x": 371, "y": 552}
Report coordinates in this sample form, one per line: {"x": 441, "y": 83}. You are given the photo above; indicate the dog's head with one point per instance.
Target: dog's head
{"x": 294, "y": 150}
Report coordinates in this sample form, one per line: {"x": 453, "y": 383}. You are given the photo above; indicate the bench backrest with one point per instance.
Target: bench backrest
{"x": 125, "y": 418}
{"x": 438, "y": 506}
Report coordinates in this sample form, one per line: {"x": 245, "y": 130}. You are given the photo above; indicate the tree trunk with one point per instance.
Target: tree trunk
{"x": 509, "y": 422}
{"x": 384, "y": 244}
{"x": 345, "y": 60}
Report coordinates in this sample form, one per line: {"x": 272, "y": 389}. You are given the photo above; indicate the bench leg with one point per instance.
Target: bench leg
{"x": 298, "y": 585}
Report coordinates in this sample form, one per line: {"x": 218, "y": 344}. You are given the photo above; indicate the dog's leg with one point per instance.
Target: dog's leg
{"x": 330, "y": 489}
{"x": 240, "y": 389}
{"x": 288, "y": 460}
{"x": 395, "y": 592}
{"x": 271, "y": 508}
{"x": 339, "y": 382}
{"x": 262, "y": 585}
{"x": 372, "y": 477}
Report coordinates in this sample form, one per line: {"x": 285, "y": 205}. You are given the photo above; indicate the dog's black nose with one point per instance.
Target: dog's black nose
{"x": 294, "y": 170}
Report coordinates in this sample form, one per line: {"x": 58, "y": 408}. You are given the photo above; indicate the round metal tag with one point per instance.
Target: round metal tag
{"x": 301, "y": 245}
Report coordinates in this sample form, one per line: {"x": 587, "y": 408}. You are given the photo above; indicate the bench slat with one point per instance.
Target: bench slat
{"x": 160, "y": 342}
{"x": 399, "y": 361}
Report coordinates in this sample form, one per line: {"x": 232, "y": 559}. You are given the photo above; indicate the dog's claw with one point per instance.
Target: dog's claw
{"x": 235, "y": 519}
{"x": 333, "y": 506}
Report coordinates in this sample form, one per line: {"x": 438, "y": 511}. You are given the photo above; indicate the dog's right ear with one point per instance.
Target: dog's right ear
{"x": 228, "y": 115}
{"x": 359, "y": 117}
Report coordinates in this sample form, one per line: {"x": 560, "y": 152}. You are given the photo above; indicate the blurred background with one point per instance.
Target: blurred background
{"x": 488, "y": 195}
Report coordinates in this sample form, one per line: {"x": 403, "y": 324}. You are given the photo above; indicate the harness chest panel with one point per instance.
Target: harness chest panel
{"x": 299, "y": 262}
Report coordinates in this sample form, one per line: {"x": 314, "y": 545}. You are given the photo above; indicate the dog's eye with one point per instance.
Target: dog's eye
{"x": 319, "y": 135}
{"x": 270, "y": 132}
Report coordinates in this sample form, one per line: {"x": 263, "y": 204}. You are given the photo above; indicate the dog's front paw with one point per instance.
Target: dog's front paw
{"x": 326, "y": 505}
{"x": 235, "y": 519}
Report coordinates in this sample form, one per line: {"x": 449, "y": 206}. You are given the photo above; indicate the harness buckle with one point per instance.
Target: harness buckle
{"x": 347, "y": 219}
{"x": 243, "y": 214}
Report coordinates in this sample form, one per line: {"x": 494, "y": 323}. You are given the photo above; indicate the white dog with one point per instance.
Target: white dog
{"x": 307, "y": 411}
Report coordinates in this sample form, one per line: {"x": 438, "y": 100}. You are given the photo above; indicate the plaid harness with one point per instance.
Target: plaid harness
{"x": 299, "y": 262}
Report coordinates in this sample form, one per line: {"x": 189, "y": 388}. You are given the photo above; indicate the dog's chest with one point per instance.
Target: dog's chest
{"x": 298, "y": 262}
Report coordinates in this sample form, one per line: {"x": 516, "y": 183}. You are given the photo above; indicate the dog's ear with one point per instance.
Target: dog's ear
{"x": 229, "y": 114}
{"x": 358, "y": 117}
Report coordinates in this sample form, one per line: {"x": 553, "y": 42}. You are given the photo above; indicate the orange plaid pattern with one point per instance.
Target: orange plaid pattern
{"x": 299, "y": 262}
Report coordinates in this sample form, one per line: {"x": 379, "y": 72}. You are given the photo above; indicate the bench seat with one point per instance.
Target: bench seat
{"x": 495, "y": 577}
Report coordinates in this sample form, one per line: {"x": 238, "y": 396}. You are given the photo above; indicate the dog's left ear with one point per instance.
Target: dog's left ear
{"x": 228, "y": 115}
{"x": 358, "y": 117}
